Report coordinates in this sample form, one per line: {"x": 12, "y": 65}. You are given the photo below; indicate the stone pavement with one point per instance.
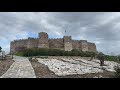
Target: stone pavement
{"x": 21, "y": 68}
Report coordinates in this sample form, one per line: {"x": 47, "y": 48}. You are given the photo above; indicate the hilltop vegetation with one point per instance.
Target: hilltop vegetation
{"x": 54, "y": 52}
{"x": 58, "y": 52}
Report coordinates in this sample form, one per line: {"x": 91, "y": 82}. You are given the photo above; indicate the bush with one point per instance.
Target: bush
{"x": 30, "y": 58}
{"x": 111, "y": 58}
{"x": 19, "y": 54}
{"x": 117, "y": 73}
{"x": 118, "y": 58}
{"x": 101, "y": 57}
{"x": 54, "y": 52}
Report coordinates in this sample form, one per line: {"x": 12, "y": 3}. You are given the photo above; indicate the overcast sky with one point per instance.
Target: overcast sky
{"x": 102, "y": 28}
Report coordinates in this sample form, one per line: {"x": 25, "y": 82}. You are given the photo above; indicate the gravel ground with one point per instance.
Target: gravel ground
{"x": 42, "y": 71}
{"x": 5, "y": 65}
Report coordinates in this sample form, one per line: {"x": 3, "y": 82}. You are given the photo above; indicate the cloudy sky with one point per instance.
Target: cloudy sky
{"x": 102, "y": 28}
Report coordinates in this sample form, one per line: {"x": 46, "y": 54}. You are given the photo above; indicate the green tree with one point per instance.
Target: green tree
{"x": 118, "y": 58}
{"x": 93, "y": 54}
{"x": 101, "y": 57}
{"x": 0, "y": 49}
{"x": 75, "y": 52}
{"x": 117, "y": 72}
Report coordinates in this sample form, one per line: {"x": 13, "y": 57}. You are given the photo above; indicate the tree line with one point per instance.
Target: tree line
{"x": 57, "y": 52}
{"x": 54, "y": 52}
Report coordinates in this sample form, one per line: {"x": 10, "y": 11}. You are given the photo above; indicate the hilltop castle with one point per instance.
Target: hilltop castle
{"x": 66, "y": 43}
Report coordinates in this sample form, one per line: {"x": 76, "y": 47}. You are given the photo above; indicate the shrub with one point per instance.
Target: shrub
{"x": 111, "y": 58}
{"x": 54, "y": 52}
{"x": 118, "y": 58}
{"x": 101, "y": 57}
{"x": 19, "y": 53}
{"x": 30, "y": 58}
{"x": 117, "y": 73}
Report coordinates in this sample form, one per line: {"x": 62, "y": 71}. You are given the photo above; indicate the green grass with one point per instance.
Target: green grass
{"x": 111, "y": 58}
{"x": 19, "y": 54}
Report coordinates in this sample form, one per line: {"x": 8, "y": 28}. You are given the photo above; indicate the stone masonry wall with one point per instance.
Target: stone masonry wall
{"x": 32, "y": 43}
{"x": 66, "y": 43}
{"x": 18, "y": 44}
{"x": 43, "y": 40}
{"x": 76, "y": 44}
{"x": 91, "y": 47}
{"x": 56, "y": 43}
{"x": 84, "y": 45}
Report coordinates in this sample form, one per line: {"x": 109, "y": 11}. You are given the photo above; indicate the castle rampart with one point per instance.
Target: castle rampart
{"x": 43, "y": 41}
{"x": 56, "y": 43}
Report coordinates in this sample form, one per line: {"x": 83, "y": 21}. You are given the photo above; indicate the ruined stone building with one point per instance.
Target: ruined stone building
{"x": 43, "y": 41}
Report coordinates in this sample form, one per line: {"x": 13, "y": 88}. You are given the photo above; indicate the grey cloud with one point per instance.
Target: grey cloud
{"x": 99, "y": 27}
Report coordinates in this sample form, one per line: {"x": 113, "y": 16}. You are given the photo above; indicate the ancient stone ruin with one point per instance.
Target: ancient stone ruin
{"x": 43, "y": 41}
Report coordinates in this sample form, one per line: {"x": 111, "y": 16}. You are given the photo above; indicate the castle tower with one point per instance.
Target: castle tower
{"x": 92, "y": 47}
{"x": 43, "y": 40}
{"x": 84, "y": 45}
{"x": 67, "y": 43}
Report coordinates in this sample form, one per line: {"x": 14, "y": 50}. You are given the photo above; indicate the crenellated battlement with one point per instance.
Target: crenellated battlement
{"x": 83, "y": 40}
{"x": 33, "y": 38}
{"x": 66, "y": 43}
{"x": 75, "y": 40}
{"x": 56, "y": 39}
{"x": 19, "y": 40}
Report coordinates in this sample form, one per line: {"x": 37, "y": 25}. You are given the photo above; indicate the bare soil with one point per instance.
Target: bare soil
{"x": 42, "y": 71}
{"x": 5, "y": 65}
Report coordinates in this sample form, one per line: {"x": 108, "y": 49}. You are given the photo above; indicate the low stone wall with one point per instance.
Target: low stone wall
{"x": 65, "y": 57}
{"x": 69, "y": 57}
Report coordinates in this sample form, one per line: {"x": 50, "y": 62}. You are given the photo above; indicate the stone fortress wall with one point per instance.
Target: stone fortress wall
{"x": 43, "y": 41}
